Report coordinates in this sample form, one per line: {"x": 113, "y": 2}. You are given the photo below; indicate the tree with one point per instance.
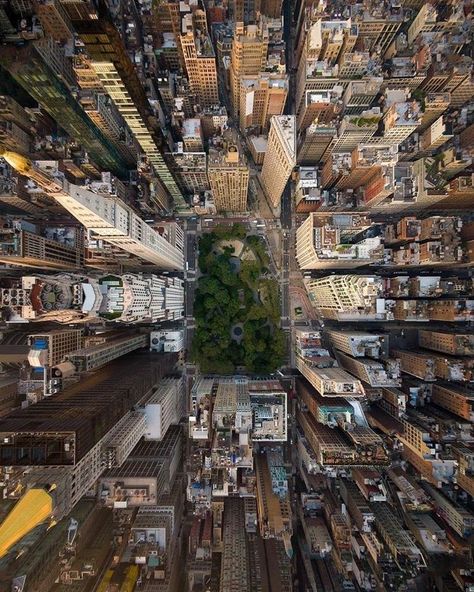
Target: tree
{"x": 217, "y": 308}
{"x": 238, "y": 230}
{"x": 229, "y": 250}
{"x": 249, "y": 273}
{"x": 209, "y": 285}
{"x": 223, "y": 232}
{"x": 259, "y": 249}
{"x": 206, "y": 243}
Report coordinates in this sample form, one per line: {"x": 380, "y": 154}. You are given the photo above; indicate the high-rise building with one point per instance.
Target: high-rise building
{"x": 377, "y": 30}
{"x": 434, "y": 136}
{"x": 401, "y": 118}
{"x": 454, "y": 514}
{"x": 200, "y": 63}
{"x": 228, "y": 177}
{"x": 55, "y": 20}
{"x": 373, "y": 372}
{"x": 94, "y": 356}
{"x": 327, "y": 241}
{"x": 453, "y": 398}
{"x": 192, "y": 135}
{"x": 314, "y": 143}
{"x": 248, "y": 57}
{"x": 109, "y": 217}
{"x": 319, "y": 107}
{"x": 190, "y": 169}
{"x": 321, "y": 45}
{"x": 359, "y": 343}
{"x": 13, "y": 112}
{"x": 103, "y": 112}
{"x": 261, "y": 97}
{"x": 330, "y": 382}
{"x": 360, "y": 94}
{"x": 152, "y": 464}
{"x": 271, "y": 8}
{"x": 356, "y": 129}
{"x": 120, "y": 80}
{"x": 435, "y": 104}
{"x": 334, "y": 447}
{"x": 456, "y": 343}
{"x": 273, "y": 507}
{"x": 129, "y": 298}
{"x": 429, "y": 365}
{"x": 63, "y": 439}
{"x": 52, "y": 347}
{"x": 165, "y": 407}
{"x": 234, "y": 565}
{"x": 280, "y": 157}
{"x": 29, "y": 69}
{"x": 22, "y": 245}
{"x": 348, "y": 297}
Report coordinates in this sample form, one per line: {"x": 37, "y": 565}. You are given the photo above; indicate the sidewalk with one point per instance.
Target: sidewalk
{"x": 262, "y": 207}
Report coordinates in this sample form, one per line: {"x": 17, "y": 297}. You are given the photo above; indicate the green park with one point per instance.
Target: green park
{"x": 237, "y": 305}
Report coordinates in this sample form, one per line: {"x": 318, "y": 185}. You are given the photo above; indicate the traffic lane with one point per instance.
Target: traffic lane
{"x": 191, "y": 252}
{"x": 189, "y": 338}
{"x": 285, "y": 300}
{"x": 190, "y": 289}
{"x": 285, "y": 215}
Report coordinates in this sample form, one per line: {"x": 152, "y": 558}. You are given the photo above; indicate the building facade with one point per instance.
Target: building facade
{"x": 280, "y": 157}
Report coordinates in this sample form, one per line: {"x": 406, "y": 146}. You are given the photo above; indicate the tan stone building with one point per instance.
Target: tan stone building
{"x": 280, "y": 158}
{"x": 248, "y": 57}
{"x": 461, "y": 344}
{"x": 261, "y": 97}
{"x": 228, "y": 177}
{"x": 326, "y": 241}
{"x": 201, "y": 68}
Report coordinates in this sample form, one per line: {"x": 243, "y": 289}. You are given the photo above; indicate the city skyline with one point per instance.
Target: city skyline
{"x": 236, "y": 296}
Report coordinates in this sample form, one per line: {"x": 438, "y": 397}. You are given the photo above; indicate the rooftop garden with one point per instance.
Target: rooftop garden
{"x": 237, "y": 305}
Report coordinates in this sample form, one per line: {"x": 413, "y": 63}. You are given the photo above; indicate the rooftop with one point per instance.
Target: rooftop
{"x": 260, "y": 143}
{"x": 192, "y": 127}
{"x": 285, "y": 127}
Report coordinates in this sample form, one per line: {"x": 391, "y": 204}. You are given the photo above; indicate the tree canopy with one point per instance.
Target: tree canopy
{"x": 225, "y": 297}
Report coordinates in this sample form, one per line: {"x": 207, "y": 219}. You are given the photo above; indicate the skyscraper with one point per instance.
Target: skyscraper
{"x": 30, "y": 70}
{"x": 120, "y": 80}
{"x": 248, "y": 57}
{"x": 53, "y": 346}
{"x": 261, "y": 97}
{"x": 22, "y": 245}
{"x": 66, "y": 298}
{"x": 326, "y": 241}
{"x": 228, "y": 177}
{"x": 347, "y": 296}
{"x": 62, "y": 438}
{"x": 280, "y": 157}
{"x": 109, "y": 217}
{"x": 201, "y": 68}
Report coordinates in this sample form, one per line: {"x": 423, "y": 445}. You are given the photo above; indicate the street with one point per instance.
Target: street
{"x": 190, "y": 257}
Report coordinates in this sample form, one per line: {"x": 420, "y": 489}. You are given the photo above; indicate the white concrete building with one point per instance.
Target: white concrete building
{"x": 123, "y": 438}
{"x": 110, "y": 219}
{"x": 135, "y": 298}
{"x": 166, "y": 407}
{"x": 167, "y": 341}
